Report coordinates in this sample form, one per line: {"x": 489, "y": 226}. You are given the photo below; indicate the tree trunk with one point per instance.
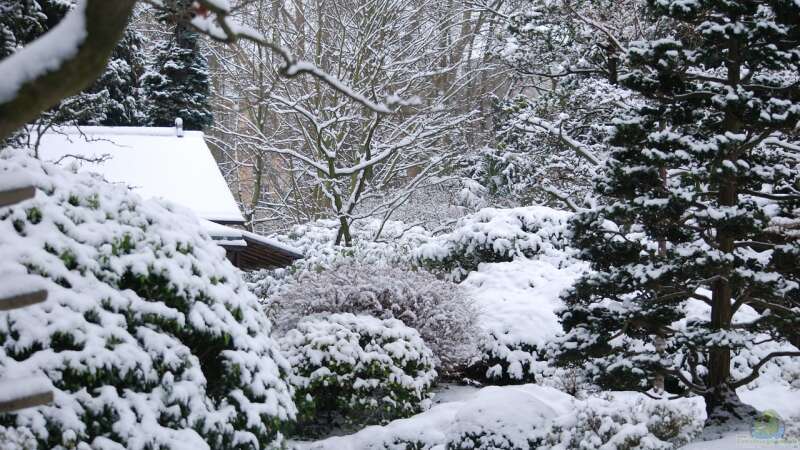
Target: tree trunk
{"x": 721, "y": 400}
{"x": 344, "y": 232}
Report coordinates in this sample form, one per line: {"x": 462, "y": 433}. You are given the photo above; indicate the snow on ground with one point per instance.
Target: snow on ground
{"x": 769, "y": 395}
{"x": 516, "y": 417}
{"x": 530, "y": 405}
{"x": 518, "y": 299}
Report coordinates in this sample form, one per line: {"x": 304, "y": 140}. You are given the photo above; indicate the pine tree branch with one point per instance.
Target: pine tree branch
{"x": 696, "y": 388}
{"x": 776, "y": 197}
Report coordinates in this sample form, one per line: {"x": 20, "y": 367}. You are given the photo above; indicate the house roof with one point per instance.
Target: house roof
{"x": 155, "y": 162}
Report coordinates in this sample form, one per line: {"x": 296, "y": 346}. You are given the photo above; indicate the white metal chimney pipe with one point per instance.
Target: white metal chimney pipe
{"x": 179, "y": 127}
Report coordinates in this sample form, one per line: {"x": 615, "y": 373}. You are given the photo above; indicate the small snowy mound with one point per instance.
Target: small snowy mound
{"x": 518, "y": 301}
{"x": 356, "y": 370}
{"x": 495, "y": 235}
{"x": 149, "y": 336}
{"x": 505, "y": 418}
{"x": 529, "y": 417}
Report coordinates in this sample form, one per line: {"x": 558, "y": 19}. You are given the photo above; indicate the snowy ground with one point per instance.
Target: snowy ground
{"x": 531, "y": 404}
{"x": 516, "y": 409}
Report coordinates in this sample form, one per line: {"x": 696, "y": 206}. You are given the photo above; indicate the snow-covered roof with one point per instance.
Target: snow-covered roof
{"x": 155, "y": 162}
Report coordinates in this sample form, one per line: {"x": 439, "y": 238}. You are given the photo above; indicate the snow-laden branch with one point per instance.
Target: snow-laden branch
{"x": 781, "y": 143}
{"x": 543, "y": 125}
{"x": 218, "y": 26}
{"x": 561, "y": 196}
{"x": 61, "y": 63}
{"x": 754, "y": 373}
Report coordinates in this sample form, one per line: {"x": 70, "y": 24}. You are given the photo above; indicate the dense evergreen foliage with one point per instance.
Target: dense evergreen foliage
{"x": 178, "y": 84}
{"x": 149, "y": 336}
{"x": 121, "y": 82}
{"x": 20, "y": 22}
{"x": 353, "y": 370}
{"x": 700, "y": 183}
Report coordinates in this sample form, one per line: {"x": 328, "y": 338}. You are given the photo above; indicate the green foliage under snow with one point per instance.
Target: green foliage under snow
{"x": 149, "y": 336}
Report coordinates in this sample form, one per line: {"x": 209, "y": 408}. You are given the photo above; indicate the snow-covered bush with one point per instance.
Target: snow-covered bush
{"x": 625, "y": 424}
{"x": 149, "y": 336}
{"x": 505, "y": 418}
{"x": 316, "y": 242}
{"x": 439, "y": 310}
{"x": 356, "y": 370}
{"x": 16, "y": 438}
{"x": 494, "y": 235}
{"x": 518, "y": 301}
{"x": 501, "y": 362}
{"x": 597, "y": 423}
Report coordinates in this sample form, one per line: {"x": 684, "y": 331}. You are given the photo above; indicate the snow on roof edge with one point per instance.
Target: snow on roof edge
{"x": 223, "y": 233}
{"x": 81, "y": 130}
{"x": 274, "y": 243}
{"x": 181, "y": 170}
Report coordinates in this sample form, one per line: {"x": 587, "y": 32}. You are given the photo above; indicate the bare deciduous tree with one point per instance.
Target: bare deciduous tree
{"x": 300, "y": 150}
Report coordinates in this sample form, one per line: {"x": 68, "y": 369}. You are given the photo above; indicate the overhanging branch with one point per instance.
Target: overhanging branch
{"x": 42, "y": 75}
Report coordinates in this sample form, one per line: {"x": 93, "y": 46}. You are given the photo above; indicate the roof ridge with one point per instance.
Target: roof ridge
{"x": 95, "y": 130}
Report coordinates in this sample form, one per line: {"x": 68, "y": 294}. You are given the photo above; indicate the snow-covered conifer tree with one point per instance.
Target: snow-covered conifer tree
{"x": 121, "y": 81}
{"x": 20, "y": 22}
{"x": 699, "y": 183}
{"x": 178, "y": 83}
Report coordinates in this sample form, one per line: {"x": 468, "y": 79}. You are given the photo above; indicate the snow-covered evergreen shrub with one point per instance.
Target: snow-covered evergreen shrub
{"x": 494, "y": 235}
{"x": 16, "y": 438}
{"x": 149, "y": 336}
{"x": 439, "y": 310}
{"x": 597, "y": 423}
{"x": 501, "y": 362}
{"x": 356, "y": 370}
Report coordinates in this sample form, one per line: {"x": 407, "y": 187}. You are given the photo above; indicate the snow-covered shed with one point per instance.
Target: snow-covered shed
{"x": 172, "y": 164}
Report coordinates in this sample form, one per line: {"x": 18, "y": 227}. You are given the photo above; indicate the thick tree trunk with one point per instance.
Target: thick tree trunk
{"x": 721, "y": 400}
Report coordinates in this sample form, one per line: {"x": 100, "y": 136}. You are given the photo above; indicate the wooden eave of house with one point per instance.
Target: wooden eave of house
{"x": 251, "y": 251}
